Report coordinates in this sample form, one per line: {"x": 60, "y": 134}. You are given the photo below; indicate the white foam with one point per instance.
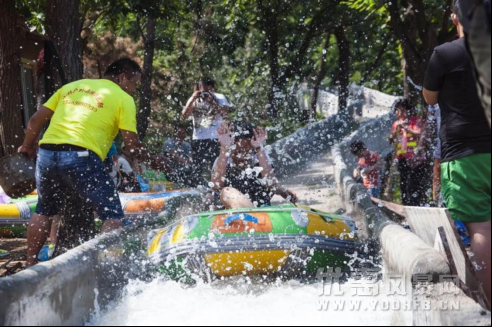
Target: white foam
{"x": 238, "y": 303}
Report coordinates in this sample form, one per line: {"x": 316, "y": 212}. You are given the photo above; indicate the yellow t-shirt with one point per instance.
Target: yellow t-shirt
{"x": 89, "y": 114}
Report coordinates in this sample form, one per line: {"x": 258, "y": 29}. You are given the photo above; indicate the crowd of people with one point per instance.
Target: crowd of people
{"x": 461, "y": 155}
{"x": 78, "y": 152}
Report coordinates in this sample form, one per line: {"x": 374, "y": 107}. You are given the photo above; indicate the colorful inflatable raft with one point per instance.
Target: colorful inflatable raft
{"x": 137, "y": 205}
{"x": 287, "y": 241}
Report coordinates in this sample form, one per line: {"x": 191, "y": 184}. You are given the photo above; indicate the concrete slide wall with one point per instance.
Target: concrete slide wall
{"x": 67, "y": 290}
{"x": 308, "y": 144}
{"x": 61, "y": 292}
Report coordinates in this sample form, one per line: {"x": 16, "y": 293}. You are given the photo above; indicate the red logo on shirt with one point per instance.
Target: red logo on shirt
{"x": 97, "y": 97}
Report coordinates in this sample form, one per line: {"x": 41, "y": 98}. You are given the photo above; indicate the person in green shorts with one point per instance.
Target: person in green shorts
{"x": 467, "y": 188}
{"x": 466, "y": 145}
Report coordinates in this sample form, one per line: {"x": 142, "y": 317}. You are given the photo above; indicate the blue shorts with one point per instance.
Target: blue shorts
{"x": 84, "y": 172}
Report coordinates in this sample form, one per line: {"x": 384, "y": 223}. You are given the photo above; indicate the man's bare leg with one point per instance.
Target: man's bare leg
{"x": 111, "y": 225}
{"x": 233, "y": 199}
{"x": 38, "y": 232}
{"x": 54, "y": 229}
{"x": 481, "y": 247}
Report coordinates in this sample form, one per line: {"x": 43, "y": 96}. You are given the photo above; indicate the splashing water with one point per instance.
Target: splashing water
{"x": 239, "y": 302}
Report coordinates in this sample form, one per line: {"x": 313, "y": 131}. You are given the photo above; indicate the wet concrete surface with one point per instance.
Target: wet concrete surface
{"x": 315, "y": 186}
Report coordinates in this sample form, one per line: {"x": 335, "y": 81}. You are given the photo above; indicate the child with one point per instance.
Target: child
{"x": 368, "y": 167}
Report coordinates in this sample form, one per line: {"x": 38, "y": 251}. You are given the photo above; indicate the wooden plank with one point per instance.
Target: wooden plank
{"x": 447, "y": 250}
{"x": 442, "y": 246}
{"x": 425, "y": 222}
{"x": 471, "y": 277}
{"x": 478, "y": 294}
{"x": 396, "y": 208}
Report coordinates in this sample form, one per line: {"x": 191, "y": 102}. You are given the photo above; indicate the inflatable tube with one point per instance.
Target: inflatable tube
{"x": 286, "y": 241}
{"x": 135, "y": 205}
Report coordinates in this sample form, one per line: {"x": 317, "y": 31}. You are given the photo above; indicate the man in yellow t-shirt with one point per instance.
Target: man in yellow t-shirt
{"x": 89, "y": 114}
{"x": 85, "y": 116}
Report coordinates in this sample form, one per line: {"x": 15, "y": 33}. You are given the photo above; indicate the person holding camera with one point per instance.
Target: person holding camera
{"x": 208, "y": 109}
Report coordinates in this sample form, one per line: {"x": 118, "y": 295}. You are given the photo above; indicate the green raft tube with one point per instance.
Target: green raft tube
{"x": 287, "y": 241}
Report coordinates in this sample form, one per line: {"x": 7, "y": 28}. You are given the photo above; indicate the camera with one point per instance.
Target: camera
{"x": 205, "y": 95}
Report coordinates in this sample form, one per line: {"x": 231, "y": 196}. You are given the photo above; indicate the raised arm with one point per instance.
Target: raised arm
{"x": 268, "y": 172}
{"x": 34, "y": 128}
{"x": 190, "y": 106}
{"x": 220, "y": 169}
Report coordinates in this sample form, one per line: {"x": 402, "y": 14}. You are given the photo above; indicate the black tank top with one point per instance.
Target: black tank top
{"x": 249, "y": 183}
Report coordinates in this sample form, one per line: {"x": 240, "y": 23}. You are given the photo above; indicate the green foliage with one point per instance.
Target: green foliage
{"x": 227, "y": 40}
{"x": 34, "y": 12}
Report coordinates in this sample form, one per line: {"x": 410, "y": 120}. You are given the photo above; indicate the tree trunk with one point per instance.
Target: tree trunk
{"x": 320, "y": 21}
{"x": 323, "y": 70}
{"x": 371, "y": 67}
{"x": 63, "y": 27}
{"x": 418, "y": 38}
{"x": 273, "y": 52}
{"x": 11, "y": 125}
{"x": 199, "y": 12}
{"x": 269, "y": 12}
{"x": 344, "y": 67}
{"x": 413, "y": 76}
{"x": 143, "y": 116}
